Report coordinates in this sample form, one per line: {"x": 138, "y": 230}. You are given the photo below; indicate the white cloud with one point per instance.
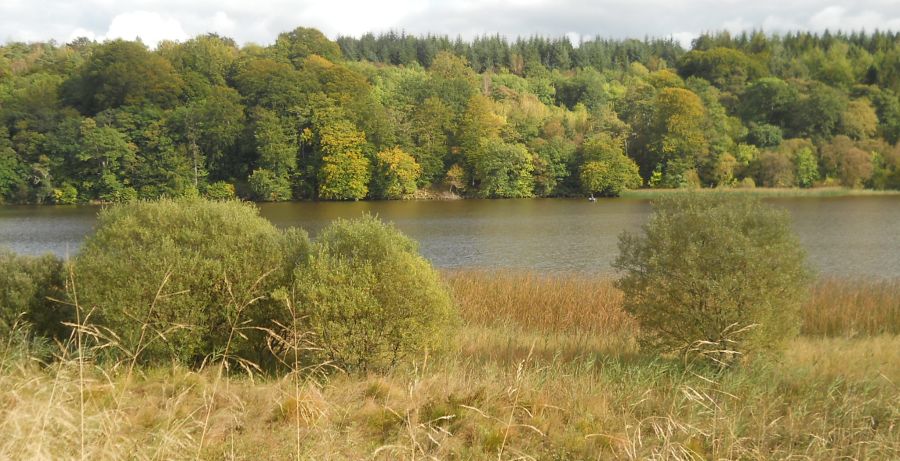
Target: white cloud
{"x": 684, "y": 38}
{"x": 260, "y": 21}
{"x": 221, "y": 23}
{"x": 150, "y": 27}
{"x": 80, "y": 32}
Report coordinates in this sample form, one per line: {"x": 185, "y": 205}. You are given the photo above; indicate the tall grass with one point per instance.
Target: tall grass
{"x": 537, "y": 373}
{"x": 573, "y": 303}
{"x": 581, "y": 303}
{"x": 853, "y": 307}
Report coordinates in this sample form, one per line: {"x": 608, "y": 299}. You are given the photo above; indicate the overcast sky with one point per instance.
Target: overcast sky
{"x": 259, "y": 21}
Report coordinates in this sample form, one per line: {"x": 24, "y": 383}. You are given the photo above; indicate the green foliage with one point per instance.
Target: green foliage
{"x": 768, "y": 100}
{"x": 503, "y": 170}
{"x": 276, "y": 144}
{"x": 396, "y": 174}
{"x": 119, "y": 73}
{"x": 723, "y": 67}
{"x": 11, "y": 174}
{"x": 66, "y": 194}
{"x": 269, "y": 186}
{"x": 714, "y": 277}
{"x": 345, "y": 170}
{"x": 27, "y": 285}
{"x": 859, "y": 121}
{"x": 176, "y": 278}
{"x": 370, "y": 298}
{"x": 607, "y": 170}
{"x": 676, "y": 137}
{"x": 431, "y": 122}
{"x": 298, "y": 44}
{"x": 802, "y": 153}
{"x": 220, "y": 190}
{"x": 764, "y": 135}
{"x": 818, "y": 111}
{"x": 115, "y": 120}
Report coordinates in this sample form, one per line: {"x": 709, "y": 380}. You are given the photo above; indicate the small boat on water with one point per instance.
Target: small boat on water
{"x": 591, "y": 198}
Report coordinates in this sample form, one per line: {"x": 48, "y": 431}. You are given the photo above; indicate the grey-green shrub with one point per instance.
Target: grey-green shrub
{"x": 370, "y": 298}
{"x": 223, "y": 261}
{"x": 714, "y": 275}
{"x": 27, "y": 285}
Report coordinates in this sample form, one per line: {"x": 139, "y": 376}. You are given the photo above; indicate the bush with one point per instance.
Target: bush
{"x": 220, "y": 190}
{"x": 222, "y": 262}
{"x": 370, "y": 298}
{"x": 714, "y": 276}
{"x": 268, "y": 186}
{"x": 26, "y": 283}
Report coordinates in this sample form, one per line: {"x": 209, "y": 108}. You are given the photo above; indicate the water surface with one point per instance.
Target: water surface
{"x": 846, "y": 236}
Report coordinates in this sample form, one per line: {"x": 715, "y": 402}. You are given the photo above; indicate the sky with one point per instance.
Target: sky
{"x": 260, "y": 21}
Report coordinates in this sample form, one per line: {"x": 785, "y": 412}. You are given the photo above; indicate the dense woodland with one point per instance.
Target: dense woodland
{"x": 393, "y": 115}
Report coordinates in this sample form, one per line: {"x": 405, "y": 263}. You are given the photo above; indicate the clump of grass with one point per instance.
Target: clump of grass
{"x": 852, "y": 307}
{"x": 571, "y": 303}
{"x": 576, "y": 304}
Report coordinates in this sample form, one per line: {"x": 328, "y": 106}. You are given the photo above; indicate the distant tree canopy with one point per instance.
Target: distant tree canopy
{"x": 380, "y": 116}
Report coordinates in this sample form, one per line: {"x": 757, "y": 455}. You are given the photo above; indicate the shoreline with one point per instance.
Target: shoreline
{"x": 640, "y": 194}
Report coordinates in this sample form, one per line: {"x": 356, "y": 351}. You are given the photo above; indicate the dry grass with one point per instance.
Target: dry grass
{"x": 544, "y": 303}
{"x": 853, "y": 307}
{"x": 580, "y": 303}
{"x": 828, "y": 399}
{"x": 543, "y": 368}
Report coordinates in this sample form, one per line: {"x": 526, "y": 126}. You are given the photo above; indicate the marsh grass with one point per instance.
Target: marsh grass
{"x": 853, "y": 307}
{"x": 591, "y": 305}
{"x": 541, "y": 375}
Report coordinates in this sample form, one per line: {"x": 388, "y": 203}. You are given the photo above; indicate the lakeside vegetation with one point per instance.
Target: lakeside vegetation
{"x": 395, "y": 116}
{"x": 159, "y": 342}
{"x": 542, "y": 368}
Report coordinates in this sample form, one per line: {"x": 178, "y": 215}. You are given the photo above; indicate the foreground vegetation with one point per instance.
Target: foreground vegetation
{"x": 391, "y": 116}
{"x": 196, "y": 330}
{"x": 543, "y": 368}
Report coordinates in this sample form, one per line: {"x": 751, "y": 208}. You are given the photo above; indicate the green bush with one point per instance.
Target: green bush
{"x": 26, "y": 284}
{"x": 220, "y": 190}
{"x": 268, "y": 186}
{"x": 370, "y": 298}
{"x": 715, "y": 276}
{"x": 222, "y": 261}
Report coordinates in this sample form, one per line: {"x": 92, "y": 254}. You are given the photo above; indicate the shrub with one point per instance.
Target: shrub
{"x": 370, "y": 298}
{"x": 26, "y": 283}
{"x": 268, "y": 186}
{"x": 714, "y": 275}
{"x": 775, "y": 169}
{"x": 607, "y": 170}
{"x": 220, "y": 190}
{"x": 222, "y": 261}
{"x": 396, "y": 174}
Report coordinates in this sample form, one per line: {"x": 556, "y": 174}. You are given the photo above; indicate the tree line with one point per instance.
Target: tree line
{"x": 388, "y": 116}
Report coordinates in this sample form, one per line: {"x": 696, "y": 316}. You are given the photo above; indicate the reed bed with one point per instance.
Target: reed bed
{"x": 572, "y": 303}
{"x": 852, "y": 307}
{"x": 581, "y": 303}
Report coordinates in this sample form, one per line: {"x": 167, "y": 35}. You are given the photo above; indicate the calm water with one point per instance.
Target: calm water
{"x": 844, "y": 236}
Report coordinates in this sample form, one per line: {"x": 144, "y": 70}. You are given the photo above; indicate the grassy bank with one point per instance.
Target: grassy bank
{"x": 542, "y": 368}
{"x": 768, "y": 192}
